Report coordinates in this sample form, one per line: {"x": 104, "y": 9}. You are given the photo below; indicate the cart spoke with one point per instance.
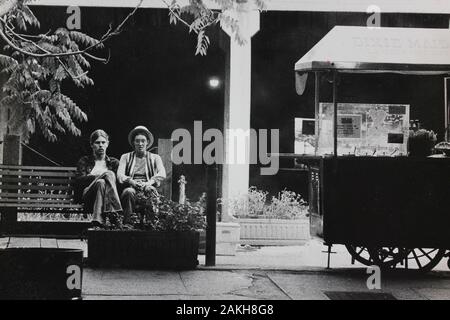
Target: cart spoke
{"x": 426, "y": 254}
{"x": 416, "y": 258}
{"x": 391, "y": 257}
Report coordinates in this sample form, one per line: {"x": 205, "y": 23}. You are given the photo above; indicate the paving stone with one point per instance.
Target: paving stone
{"x": 314, "y": 285}
{"x": 213, "y": 282}
{"x": 435, "y": 294}
{"x": 132, "y": 282}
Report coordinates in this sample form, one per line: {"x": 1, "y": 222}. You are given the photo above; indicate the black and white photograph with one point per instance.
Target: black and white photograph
{"x": 227, "y": 157}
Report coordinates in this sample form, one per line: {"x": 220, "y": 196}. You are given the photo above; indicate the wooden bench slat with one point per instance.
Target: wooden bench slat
{"x": 78, "y": 210}
{"x": 62, "y": 180}
{"x": 42, "y": 201}
{"x": 35, "y": 195}
{"x": 32, "y": 187}
{"x": 45, "y": 168}
{"x": 24, "y": 242}
{"x": 36, "y": 173}
{"x": 20, "y": 192}
{"x": 40, "y": 205}
{"x": 48, "y": 243}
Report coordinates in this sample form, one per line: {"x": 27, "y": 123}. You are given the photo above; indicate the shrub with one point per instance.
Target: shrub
{"x": 287, "y": 205}
{"x": 161, "y": 214}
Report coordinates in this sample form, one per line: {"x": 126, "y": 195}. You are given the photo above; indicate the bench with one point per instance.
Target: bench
{"x": 46, "y": 192}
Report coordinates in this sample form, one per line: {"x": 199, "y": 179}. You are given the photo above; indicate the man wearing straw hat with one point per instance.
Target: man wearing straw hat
{"x": 139, "y": 170}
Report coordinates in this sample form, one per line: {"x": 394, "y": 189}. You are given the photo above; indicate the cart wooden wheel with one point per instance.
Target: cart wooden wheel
{"x": 384, "y": 257}
{"x": 420, "y": 259}
{"x": 423, "y": 259}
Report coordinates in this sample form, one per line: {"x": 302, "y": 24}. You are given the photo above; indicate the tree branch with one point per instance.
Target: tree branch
{"x": 109, "y": 34}
{"x": 211, "y": 13}
{"x": 74, "y": 77}
{"x": 6, "y": 7}
{"x": 176, "y": 14}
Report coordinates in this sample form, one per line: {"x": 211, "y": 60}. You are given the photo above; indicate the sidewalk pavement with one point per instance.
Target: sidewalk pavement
{"x": 310, "y": 255}
{"x": 275, "y": 273}
{"x": 268, "y": 273}
{"x": 210, "y": 284}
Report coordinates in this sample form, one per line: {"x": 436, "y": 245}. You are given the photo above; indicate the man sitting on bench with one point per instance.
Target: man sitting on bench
{"x": 96, "y": 180}
{"x": 139, "y": 170}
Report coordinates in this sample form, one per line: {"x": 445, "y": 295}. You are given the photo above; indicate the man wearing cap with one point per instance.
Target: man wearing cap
{"x": 139, "y": 170}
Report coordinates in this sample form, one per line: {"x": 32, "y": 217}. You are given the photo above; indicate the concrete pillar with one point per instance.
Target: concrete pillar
{"x": 235, "y": 175}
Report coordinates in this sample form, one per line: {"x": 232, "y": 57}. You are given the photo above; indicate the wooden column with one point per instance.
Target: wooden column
{"x": 211, "y": 211}
{"x": 12, "y": 155}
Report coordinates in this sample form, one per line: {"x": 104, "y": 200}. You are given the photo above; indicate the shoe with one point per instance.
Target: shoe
{"x": 127, "y": 226}
{"x": 96, "y": 225}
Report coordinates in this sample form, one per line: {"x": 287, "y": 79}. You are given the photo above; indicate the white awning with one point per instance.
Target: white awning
{"x": 398, "y": 50}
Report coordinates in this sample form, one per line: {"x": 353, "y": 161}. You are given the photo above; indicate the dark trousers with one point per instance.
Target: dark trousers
{"x": 101, "y": 196}
{"x": 128, "y": 199}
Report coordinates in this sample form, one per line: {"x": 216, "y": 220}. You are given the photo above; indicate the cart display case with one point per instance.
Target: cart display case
{"x": 387, "y": 208}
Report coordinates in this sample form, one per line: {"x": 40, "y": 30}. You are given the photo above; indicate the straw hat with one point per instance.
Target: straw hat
{"x": 140, "y": 130}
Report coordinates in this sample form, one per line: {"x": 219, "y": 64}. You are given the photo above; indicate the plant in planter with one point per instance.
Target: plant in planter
{"x": 282, "y": 220}
{"x": 421, "y": 142}
{"x": 250, "y": 205}
{"x": 288, "y": 205}
{"x": 165, "y": 236}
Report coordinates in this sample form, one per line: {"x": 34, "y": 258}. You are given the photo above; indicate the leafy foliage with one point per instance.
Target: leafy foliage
{"x": 286, "y": 205}
{"x": 160, "y": 214}
{"x": 36, "y": 83}
{"x": 40, "y": 66}
{"x": 198, "y": 17}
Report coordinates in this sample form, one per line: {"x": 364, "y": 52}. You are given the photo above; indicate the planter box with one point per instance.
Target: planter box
{"x": 143, "y": 249}
{"x": 274, "y": 231}
{"x": 41, "y": 274}
{"x": 227, "y": 238}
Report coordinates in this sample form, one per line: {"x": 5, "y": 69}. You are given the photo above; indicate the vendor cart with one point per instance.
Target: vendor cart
{"x": 388, "y": 210}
